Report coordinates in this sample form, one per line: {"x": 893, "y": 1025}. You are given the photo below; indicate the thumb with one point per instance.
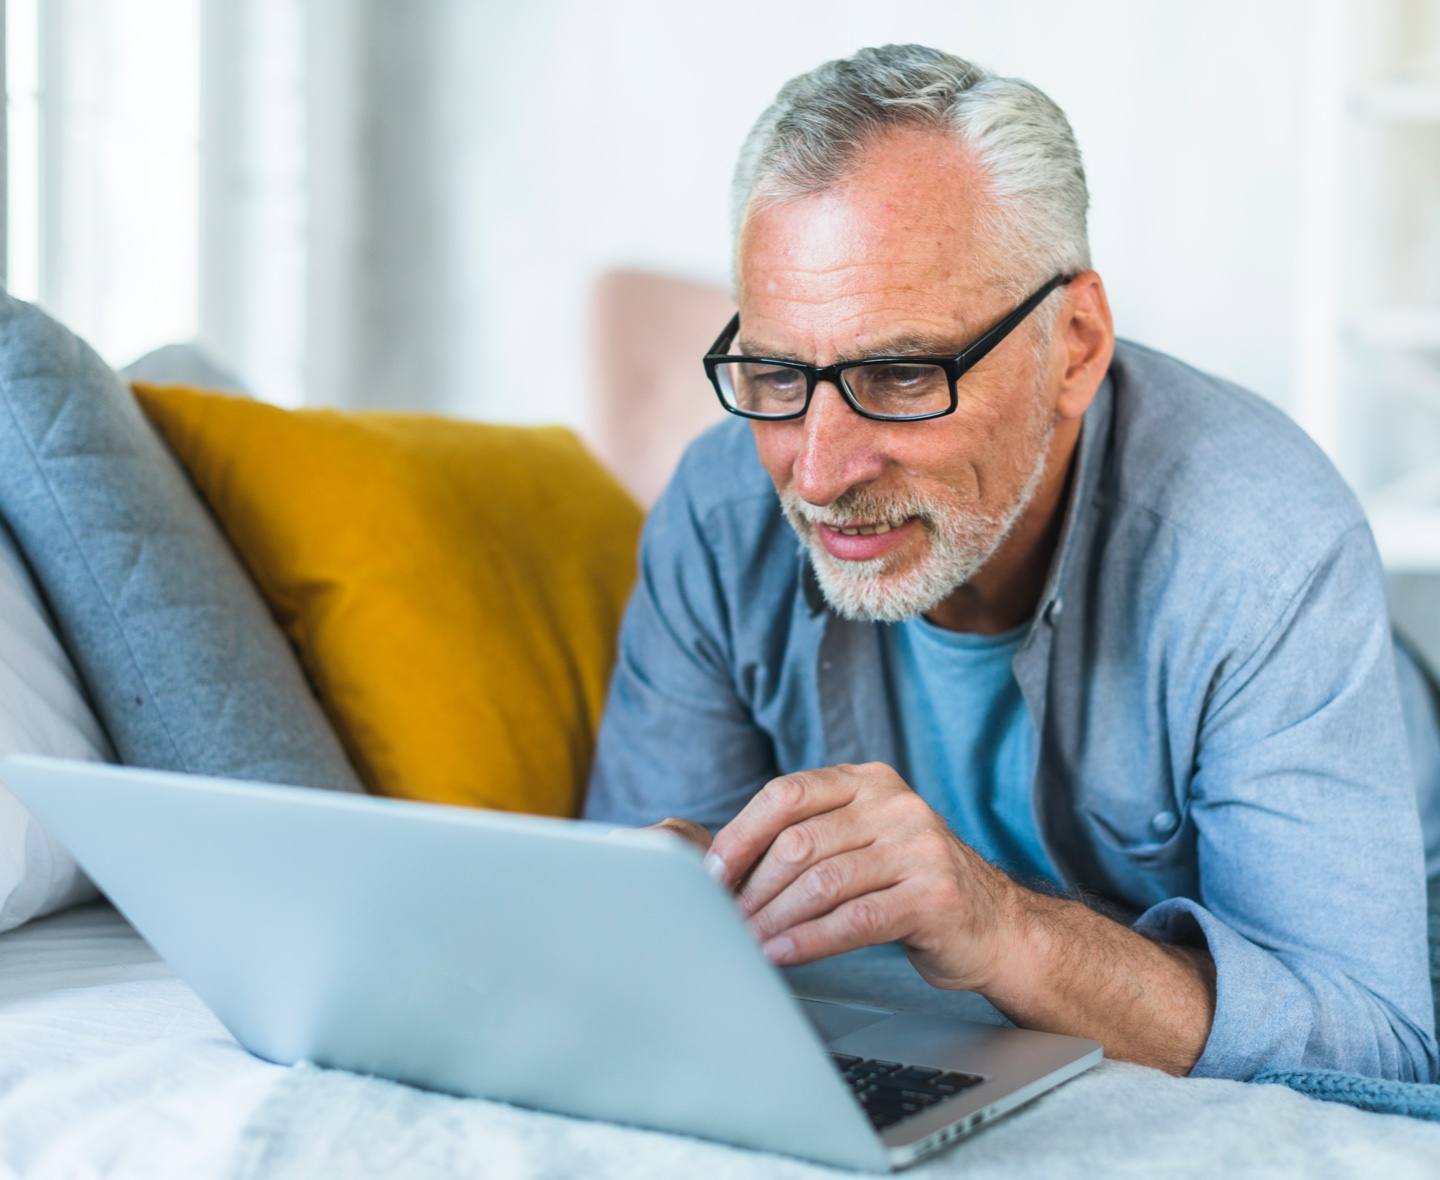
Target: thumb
{"x": 686, "y": 830}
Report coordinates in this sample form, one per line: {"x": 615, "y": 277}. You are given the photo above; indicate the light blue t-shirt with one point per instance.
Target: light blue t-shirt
{"x": 967, "y": 740}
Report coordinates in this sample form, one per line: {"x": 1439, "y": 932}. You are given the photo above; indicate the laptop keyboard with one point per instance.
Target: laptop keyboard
{"x": 891, "y": 1092}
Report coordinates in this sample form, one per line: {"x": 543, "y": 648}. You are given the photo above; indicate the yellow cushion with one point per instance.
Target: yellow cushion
{"x": 453, "y": 589}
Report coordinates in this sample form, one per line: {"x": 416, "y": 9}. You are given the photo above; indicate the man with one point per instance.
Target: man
{"x": 1066, "y": 618}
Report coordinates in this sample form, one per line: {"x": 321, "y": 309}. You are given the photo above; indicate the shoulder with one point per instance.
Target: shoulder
{"x": 1220, "y": 466}
{"x": 721, "y": 469}
{"x": 720, "y": 514}
{"x": 718, "y": 556}
{"x": 720, "y": 489}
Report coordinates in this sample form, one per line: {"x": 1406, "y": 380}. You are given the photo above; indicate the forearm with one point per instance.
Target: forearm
{"x": 1071, "y": 970}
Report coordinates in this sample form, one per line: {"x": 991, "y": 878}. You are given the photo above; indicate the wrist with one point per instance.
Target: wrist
{"x": 1025, "y": 942}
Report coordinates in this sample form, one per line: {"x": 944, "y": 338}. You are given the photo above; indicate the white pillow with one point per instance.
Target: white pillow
{"x": 42, "y": 711}
{"x": 183, "y": 364}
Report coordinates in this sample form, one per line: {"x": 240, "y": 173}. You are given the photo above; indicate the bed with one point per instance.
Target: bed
{"x": 110, "y": 1065}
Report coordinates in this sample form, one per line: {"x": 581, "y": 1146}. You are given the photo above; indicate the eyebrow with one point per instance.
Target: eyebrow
{"x": 906, "y": 344}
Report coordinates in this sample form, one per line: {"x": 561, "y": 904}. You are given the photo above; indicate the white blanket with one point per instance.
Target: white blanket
{"x": 110, "y": 1066}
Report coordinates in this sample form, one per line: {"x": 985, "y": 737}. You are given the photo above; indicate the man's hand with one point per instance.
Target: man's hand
{"x": 685, "y": 829}
{"x": 830, "y": 860}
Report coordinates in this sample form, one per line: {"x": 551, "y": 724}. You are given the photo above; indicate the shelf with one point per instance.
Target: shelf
{"x": 1415, "y": 101}
{"x": 1408, "y": 537}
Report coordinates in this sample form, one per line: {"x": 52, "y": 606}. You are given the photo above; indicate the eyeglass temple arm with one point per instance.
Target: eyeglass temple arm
{"x": 973, "y": 355}
{"x": 730, "y": 328}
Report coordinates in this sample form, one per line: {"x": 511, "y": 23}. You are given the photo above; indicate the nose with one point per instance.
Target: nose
{"x": 838, "y": 448}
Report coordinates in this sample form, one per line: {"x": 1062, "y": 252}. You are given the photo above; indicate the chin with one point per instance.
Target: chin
{"x": 866, "y": 592}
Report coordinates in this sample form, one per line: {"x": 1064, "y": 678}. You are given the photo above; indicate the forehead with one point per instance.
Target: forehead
{"x": 898, "y": 244}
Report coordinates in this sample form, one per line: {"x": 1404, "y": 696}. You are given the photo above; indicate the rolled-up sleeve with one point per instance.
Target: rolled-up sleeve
{"x": 1312, "y": 886}
{"x": 675, "y": 737}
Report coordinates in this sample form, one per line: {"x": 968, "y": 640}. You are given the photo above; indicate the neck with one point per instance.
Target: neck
{"x": 1006, "y": 591}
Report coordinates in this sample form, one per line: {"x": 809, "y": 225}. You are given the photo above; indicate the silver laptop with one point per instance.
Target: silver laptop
{"x": 555, "y": 964}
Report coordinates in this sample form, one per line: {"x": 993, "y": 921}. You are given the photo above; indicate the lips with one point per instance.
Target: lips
{"x": 863, "y": 546}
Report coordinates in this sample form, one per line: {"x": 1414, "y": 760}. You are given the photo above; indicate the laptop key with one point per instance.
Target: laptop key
{"x": 916, "y": 1074}
{"x": 954, "y": 1082}
{"x": 890, "y": 1081}
{"x": 891, "y": 1092}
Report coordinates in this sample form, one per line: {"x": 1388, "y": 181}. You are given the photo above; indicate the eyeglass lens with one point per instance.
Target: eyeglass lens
{"x": 888, "y": 389}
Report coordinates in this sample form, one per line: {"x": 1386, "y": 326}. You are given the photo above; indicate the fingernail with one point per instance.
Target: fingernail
{"x": 778, "y": 950}
{"x": 715, "y": 867}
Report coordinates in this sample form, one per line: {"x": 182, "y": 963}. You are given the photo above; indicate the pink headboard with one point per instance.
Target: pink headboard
{"x": 649, "y": 393}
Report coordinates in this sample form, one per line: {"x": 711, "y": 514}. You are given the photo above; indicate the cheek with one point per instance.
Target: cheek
{"x": 777, "y": 444}
{"x": 944, "y": 461}
{"x": 996, "y": 437}
{"x": 989, "y": 414}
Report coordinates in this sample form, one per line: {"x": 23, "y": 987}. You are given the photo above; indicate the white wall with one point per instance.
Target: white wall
{"x": 406, "y": 204}
{"x": 515, "y": 151}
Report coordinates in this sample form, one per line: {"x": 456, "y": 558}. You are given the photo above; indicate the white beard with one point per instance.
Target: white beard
{"x": 961, "y": 541}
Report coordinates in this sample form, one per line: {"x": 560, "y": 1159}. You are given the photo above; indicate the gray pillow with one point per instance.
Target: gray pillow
{"x": 186, "y": 668}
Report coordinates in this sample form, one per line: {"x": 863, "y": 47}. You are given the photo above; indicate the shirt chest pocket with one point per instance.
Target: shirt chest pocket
{"x": 1135, "y": 808}
{"x": 1141, "y": 846}
{"x": 1156, "y": 832}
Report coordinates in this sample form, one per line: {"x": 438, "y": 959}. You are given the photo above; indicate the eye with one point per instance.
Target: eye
{"x": 901, "y": 377}
{"x": 779, "y": 378}
{"x": 775, "y": 382}
{"x": 762, "y": 389}
{"x": 893, "y": 387}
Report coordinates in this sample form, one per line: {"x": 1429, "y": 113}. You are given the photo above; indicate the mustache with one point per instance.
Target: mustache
{"x": 858, "y": 505}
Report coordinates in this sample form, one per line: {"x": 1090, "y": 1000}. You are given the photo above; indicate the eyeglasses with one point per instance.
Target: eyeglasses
{"x": 885, "y": 388}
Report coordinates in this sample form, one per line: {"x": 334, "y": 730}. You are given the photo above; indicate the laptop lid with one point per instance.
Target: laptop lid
{"x": 557, "y": 964}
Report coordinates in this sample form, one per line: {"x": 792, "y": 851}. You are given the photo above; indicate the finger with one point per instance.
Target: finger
{"x": 868, "y": 920}
{"x": 778, "y": 804}
{"x": 797, "y": 848}
{"x": 823, "y": 887}
{"x": 686, "y": 830}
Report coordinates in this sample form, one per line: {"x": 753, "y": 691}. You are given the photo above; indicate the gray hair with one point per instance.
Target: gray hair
{"x": 809, "y": 137}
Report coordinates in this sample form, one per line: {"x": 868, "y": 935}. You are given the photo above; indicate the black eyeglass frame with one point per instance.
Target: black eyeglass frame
{"x": 955, "y": 366}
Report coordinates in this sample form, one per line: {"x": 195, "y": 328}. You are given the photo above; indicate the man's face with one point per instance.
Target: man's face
{"x": 886, "y": 263}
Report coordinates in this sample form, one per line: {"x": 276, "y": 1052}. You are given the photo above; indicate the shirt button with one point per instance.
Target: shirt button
{"x": 1164, "y": 821}
{"x": 1056, "y": 607}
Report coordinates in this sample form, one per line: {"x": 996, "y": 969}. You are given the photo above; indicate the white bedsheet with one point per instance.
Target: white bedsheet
{"x": 110, "y": 1066}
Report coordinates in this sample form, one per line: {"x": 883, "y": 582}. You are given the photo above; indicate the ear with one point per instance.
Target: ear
{"x": 1085, "y": 337}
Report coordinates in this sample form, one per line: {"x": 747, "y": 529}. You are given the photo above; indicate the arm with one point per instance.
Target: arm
{"x": 1306, "y": 946}
{"x": 675, "y": 737}
{"x": 834, "y": 859}
{"x": 1075, "y": 971}
{"x": 1312, "y": 892}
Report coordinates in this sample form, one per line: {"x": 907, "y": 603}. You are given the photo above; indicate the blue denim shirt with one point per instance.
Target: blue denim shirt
{"x": 1210, "y": 672}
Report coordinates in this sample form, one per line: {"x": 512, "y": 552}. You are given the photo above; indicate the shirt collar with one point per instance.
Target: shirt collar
{"x": 1089, "y": 460}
